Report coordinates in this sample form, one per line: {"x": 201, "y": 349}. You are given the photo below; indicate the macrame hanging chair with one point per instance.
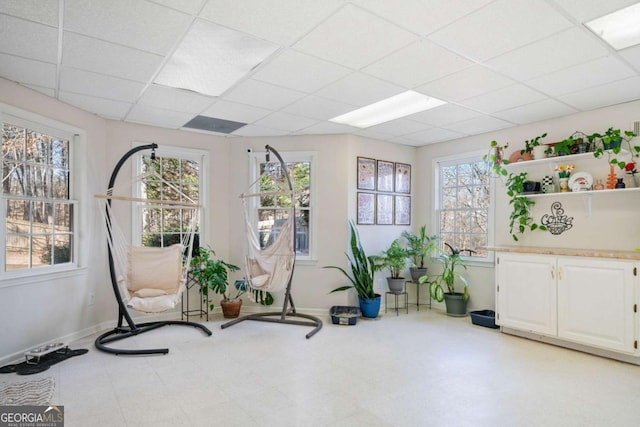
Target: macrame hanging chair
{"x": 271, "y": 268}
{"x": 146, "y": 279}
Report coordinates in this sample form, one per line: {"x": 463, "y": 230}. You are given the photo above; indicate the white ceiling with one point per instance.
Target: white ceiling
{"x": 498, "y": 63}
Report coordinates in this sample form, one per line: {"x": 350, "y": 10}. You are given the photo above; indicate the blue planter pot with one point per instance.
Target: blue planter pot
{"x": 370, "y": 307}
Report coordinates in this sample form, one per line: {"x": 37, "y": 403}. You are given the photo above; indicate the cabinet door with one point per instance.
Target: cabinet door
{"x": 596, "y": 302}
{"x": 526, "y": 290}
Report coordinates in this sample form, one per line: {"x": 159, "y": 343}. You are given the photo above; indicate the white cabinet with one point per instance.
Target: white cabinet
{"x": 584, "y": 300}
{"x": 526, "y": 292}
{"x": 596, "y": 302}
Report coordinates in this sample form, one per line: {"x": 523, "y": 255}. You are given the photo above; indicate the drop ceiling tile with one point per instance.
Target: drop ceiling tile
{"x": 399, "y": 127}
{"x": 470, "y": 82}
{"x": 253, "y": 130}
{"x": 422, "y": 16}
{"x": 28, "y": 39}
{"x": 234, "y": 111}
{"x": 448, "y": 113}
{"x": 110, "y": 109}
{"x": 535, "y": 112}
{"x": 479, "y": 125}
{"x": 300, "y": 72}
{"x": 370, "y": 133}
{"x": 263, "y": 95}
{"x": 92, "y": 84}
{"x": 502, "y": 99}
{"x": 359, "y": 89}
{"x": 354, "y": 38}
{"x": 169, "y": 98}
{"x": 41, "y": 11}
{"x": 416, "y": 64}
{"x": 559, "y": 51}
{"x": 282, "y": 22}
{"x": 319, "y": 108}
{"x": 605, "y": 95}
{"x": 284, "y": 121}
{"x": 90, "y": 54}
{"x": 434, "y": 135}
{"x": 327, "y": 128}
{"x": 582, "y": 76}
{"x": 158, "y": 117}
{"x": 584, "y": 11}
{"x": 406, "y": 141}
{"x": 47, "y": 91}
{"x": 138, "y": 24}
{"x": 499, "y": 27}
{"x": 27, "y": 71}
{"x": 188, "y": 6}
{"x": 632, "y": 55}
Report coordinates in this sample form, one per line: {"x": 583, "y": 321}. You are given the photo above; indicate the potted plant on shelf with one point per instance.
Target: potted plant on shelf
{"x": 395, "y": 259}
{"x": 535, "y": 148}
{"x": 456, "y": 302}
{"x": 213, "y": 274}
{"x": 361, "y": 276}
{"x": 612, "y": 145}
{"x": 420, "y": 246}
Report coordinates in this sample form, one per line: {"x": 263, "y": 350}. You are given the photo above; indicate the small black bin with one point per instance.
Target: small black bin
{"x": 486, "y": 318}
{"x": 344, "y": 315}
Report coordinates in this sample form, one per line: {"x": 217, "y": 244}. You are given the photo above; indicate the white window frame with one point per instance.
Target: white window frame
{"x": 76, "y": 138}
{"x": 255, "y": 158}
{"x": 201, "y": 156}
{"x": 468, "y": 157}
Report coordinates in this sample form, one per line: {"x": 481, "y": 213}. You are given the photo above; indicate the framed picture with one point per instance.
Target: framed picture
{"x": 385, "y": 176}
{"x": 384, "y": 209}
{"x": 402, "y": 208}
{"x": 366, "y": 208}
{"x": 366, "y": 174}
{"x": 403, "y": 178}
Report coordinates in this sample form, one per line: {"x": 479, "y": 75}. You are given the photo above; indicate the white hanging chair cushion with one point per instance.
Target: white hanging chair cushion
{"x": 149, "y": 293}
{"x": 155, "y": 268}
{"x": 154, "y": 304}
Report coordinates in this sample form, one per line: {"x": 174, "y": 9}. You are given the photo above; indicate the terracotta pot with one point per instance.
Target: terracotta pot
{"x": 231, "y": 308}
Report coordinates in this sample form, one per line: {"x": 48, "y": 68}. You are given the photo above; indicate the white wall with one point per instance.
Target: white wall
{"x": 611, "y": 223}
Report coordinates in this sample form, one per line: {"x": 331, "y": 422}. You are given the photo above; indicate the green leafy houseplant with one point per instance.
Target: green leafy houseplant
{"x": 451, "y": 264}
{"x": 530, "y": 143}
{"x": 520, "y": 219}
{"x": 213, "y": 274}
{"x": 612, "y": 144}
{"x": 362, "y": 268}
{"x": 420, "y": 245}
{"x": 394, "y": 259}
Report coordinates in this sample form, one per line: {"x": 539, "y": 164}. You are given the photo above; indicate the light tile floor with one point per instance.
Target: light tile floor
{"x": 420, "y": 369}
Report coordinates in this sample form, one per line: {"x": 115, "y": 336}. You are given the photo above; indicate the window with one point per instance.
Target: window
{"x": 270, "y": 212}
{"x": 463, "y": 200}
{"x": 37, "y": 208}
{"x": 181, "y": 175}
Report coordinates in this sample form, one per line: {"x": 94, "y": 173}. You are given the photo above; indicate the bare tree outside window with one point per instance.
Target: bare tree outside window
{"x": 464, "y": 205}
{"x": 35, "y": 185}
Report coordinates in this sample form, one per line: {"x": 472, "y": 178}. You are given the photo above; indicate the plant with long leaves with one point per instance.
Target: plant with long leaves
{"x": 362, "y": 268}
{"x": 448, "y": 276}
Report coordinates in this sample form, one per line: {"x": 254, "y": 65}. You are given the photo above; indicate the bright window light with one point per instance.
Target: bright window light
{"x": 397, "y": 106}
{"x": 620, "y": 29}
{"x": 210, "y": 59}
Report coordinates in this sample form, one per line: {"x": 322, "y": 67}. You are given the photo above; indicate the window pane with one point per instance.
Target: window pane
{"x": 17, "y": 253}
{"x": 62, "y": 249}
{"x": 60, "y": 184}
{"x": 18, "y": 216}
{"x": 60, "y": 153}
{"x": 13, "y": 181}
{"x": 63, "y": 217}
{"x": 40, "y": 251}
{"x": 42, "y": 217}
{"x": 13, "y": 142}
{"x": 449, "y": 176}
{"x": 38, "y": 147}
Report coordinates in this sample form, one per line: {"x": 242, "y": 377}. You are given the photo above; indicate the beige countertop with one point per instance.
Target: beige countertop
{"x": 596, "y": 253}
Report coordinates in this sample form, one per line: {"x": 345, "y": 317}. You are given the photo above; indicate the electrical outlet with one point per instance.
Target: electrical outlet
{"x": 92, "y": 298}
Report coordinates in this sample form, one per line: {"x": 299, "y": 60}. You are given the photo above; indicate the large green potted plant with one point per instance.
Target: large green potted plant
{"x": 395, "y": 260}
{"x": 420, "y": 246}
{"x": 213, "y": 275}
{"x": 456, "y": 302}
{"x": 362, "y": 269}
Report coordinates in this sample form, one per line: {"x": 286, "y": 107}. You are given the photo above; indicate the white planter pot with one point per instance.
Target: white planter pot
{"x": 538, "y": 152}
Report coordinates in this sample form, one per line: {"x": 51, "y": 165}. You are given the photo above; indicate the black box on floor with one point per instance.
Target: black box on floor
{"x": 344, "y": 315}
{"x": 486, "y": 318}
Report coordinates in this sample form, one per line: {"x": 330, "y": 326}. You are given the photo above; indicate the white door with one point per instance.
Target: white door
{"x": 596, "y": 302}
{"x": 526, "y": 290}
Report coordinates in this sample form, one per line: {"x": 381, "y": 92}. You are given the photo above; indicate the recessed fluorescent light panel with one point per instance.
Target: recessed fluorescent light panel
{"x": 397, "y": 106}
{"x": 620, "y": 29}
{"x": 210, "y": 59}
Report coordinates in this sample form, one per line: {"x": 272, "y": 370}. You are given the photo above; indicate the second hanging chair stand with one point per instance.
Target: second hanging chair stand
{"x": 288, "y": 314}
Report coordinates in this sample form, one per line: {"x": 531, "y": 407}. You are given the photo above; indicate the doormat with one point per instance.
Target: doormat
{"x": 29, "y": 393}
{"x": 44, "y": 363}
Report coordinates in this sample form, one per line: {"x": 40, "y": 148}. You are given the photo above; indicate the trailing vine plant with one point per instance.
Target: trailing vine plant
{"x": 520, "y": 219}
